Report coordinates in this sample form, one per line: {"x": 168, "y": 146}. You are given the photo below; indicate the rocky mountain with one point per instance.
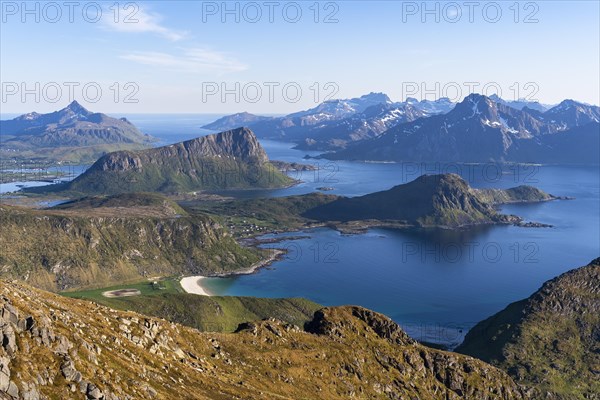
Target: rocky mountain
{"x": 432, "y": 107}
{"x": 56, "y": 347}
{"x": 231, "y": 159}
{"x": 335, "y": 123}
{"x": 296, "y": 126}
{"x": 98, "y": 242}
{"x": 360, "y": 126}
{"x": 67, "y": 130}
{"x": 521, "y": 104}
{"x": 481, "y": 130}
{"x": 569, "y": 114}
{"x": 430, "y": 200}
{"x": 235, "y": 121}
{"x": 550, "y": 340}
{"x": 340, "y": 108}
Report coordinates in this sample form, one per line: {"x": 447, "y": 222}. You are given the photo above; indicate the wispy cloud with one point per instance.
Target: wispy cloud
{"x": 195, "y": 60}
{"x": 138, "y": 20}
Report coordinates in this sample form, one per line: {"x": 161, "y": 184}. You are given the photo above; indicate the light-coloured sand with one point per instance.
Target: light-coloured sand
{"x": 193, "y": 284}
{"x": 121, "y": 293}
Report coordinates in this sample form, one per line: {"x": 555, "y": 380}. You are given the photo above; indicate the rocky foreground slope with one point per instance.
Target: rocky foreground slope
{"x": 55, "y": 347}
{"x": 550, "y": 340}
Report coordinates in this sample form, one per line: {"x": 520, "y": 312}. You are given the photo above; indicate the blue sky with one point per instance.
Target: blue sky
{"x": 179, "y": 56}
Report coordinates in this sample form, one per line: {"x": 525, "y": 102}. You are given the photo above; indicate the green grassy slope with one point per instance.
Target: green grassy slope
{"x": 214, "y": 314}
{"x": 551, "y": 340}
{"x": 57, "y": 250}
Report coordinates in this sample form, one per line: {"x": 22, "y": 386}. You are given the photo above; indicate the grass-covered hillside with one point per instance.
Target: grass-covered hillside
{"x": 550, "y": 340}
{"x": 430, "y": 200}
{"x": 79, "y": 246}
{"x": 165, "y": 299}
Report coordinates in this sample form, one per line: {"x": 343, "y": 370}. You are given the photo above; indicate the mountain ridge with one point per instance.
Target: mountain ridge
{"x": 230, "y": 159}
{"x": 63, "y": 132}
{"x": 80, "y": 245}
{"x": 481, "y": 130}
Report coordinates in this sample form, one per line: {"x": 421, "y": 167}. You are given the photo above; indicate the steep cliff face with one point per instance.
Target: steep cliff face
{"x": 238, "y": 144}
{"x": 58, "y": 252}
{"x": 551, "y": 340}
{"x": 55, "y": 347}
{"x": 232, "y": 159}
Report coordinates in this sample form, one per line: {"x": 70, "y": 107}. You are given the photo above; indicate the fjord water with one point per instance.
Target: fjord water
{"x": 435, "y": 283}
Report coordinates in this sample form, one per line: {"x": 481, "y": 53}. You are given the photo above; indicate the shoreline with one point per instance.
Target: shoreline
{"x": 193, "y": 284}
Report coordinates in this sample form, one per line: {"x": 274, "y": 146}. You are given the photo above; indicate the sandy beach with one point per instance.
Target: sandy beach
{"x": 193, "y": 284}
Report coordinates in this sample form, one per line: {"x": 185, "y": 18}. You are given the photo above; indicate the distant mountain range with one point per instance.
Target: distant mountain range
{"x": 480, "y": 129}
{"x": 227, "y": 160}
{"x": 235, "y": 121}
{"x": 337, "y": 124}
{"x": 521, "y": 104}
{"x": 71, "y": 134}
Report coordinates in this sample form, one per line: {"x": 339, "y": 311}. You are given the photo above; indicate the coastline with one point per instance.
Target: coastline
{"x": 193, "y": 284}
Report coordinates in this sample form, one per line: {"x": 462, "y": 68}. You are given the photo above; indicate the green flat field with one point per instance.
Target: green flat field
{"x": 146, "y": 288}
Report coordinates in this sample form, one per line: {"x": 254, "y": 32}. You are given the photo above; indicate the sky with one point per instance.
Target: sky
{"x": 277, "y": 57}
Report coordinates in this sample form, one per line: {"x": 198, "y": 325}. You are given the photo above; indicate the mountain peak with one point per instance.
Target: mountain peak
{"x": 240, "y": 143}
{"x": 76, "y": 108}
{"x": 378, "y": 97}
{"x": 566, "y": 104}
{"x": 475, "y": 104}
{"x": 477, "y": 96}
